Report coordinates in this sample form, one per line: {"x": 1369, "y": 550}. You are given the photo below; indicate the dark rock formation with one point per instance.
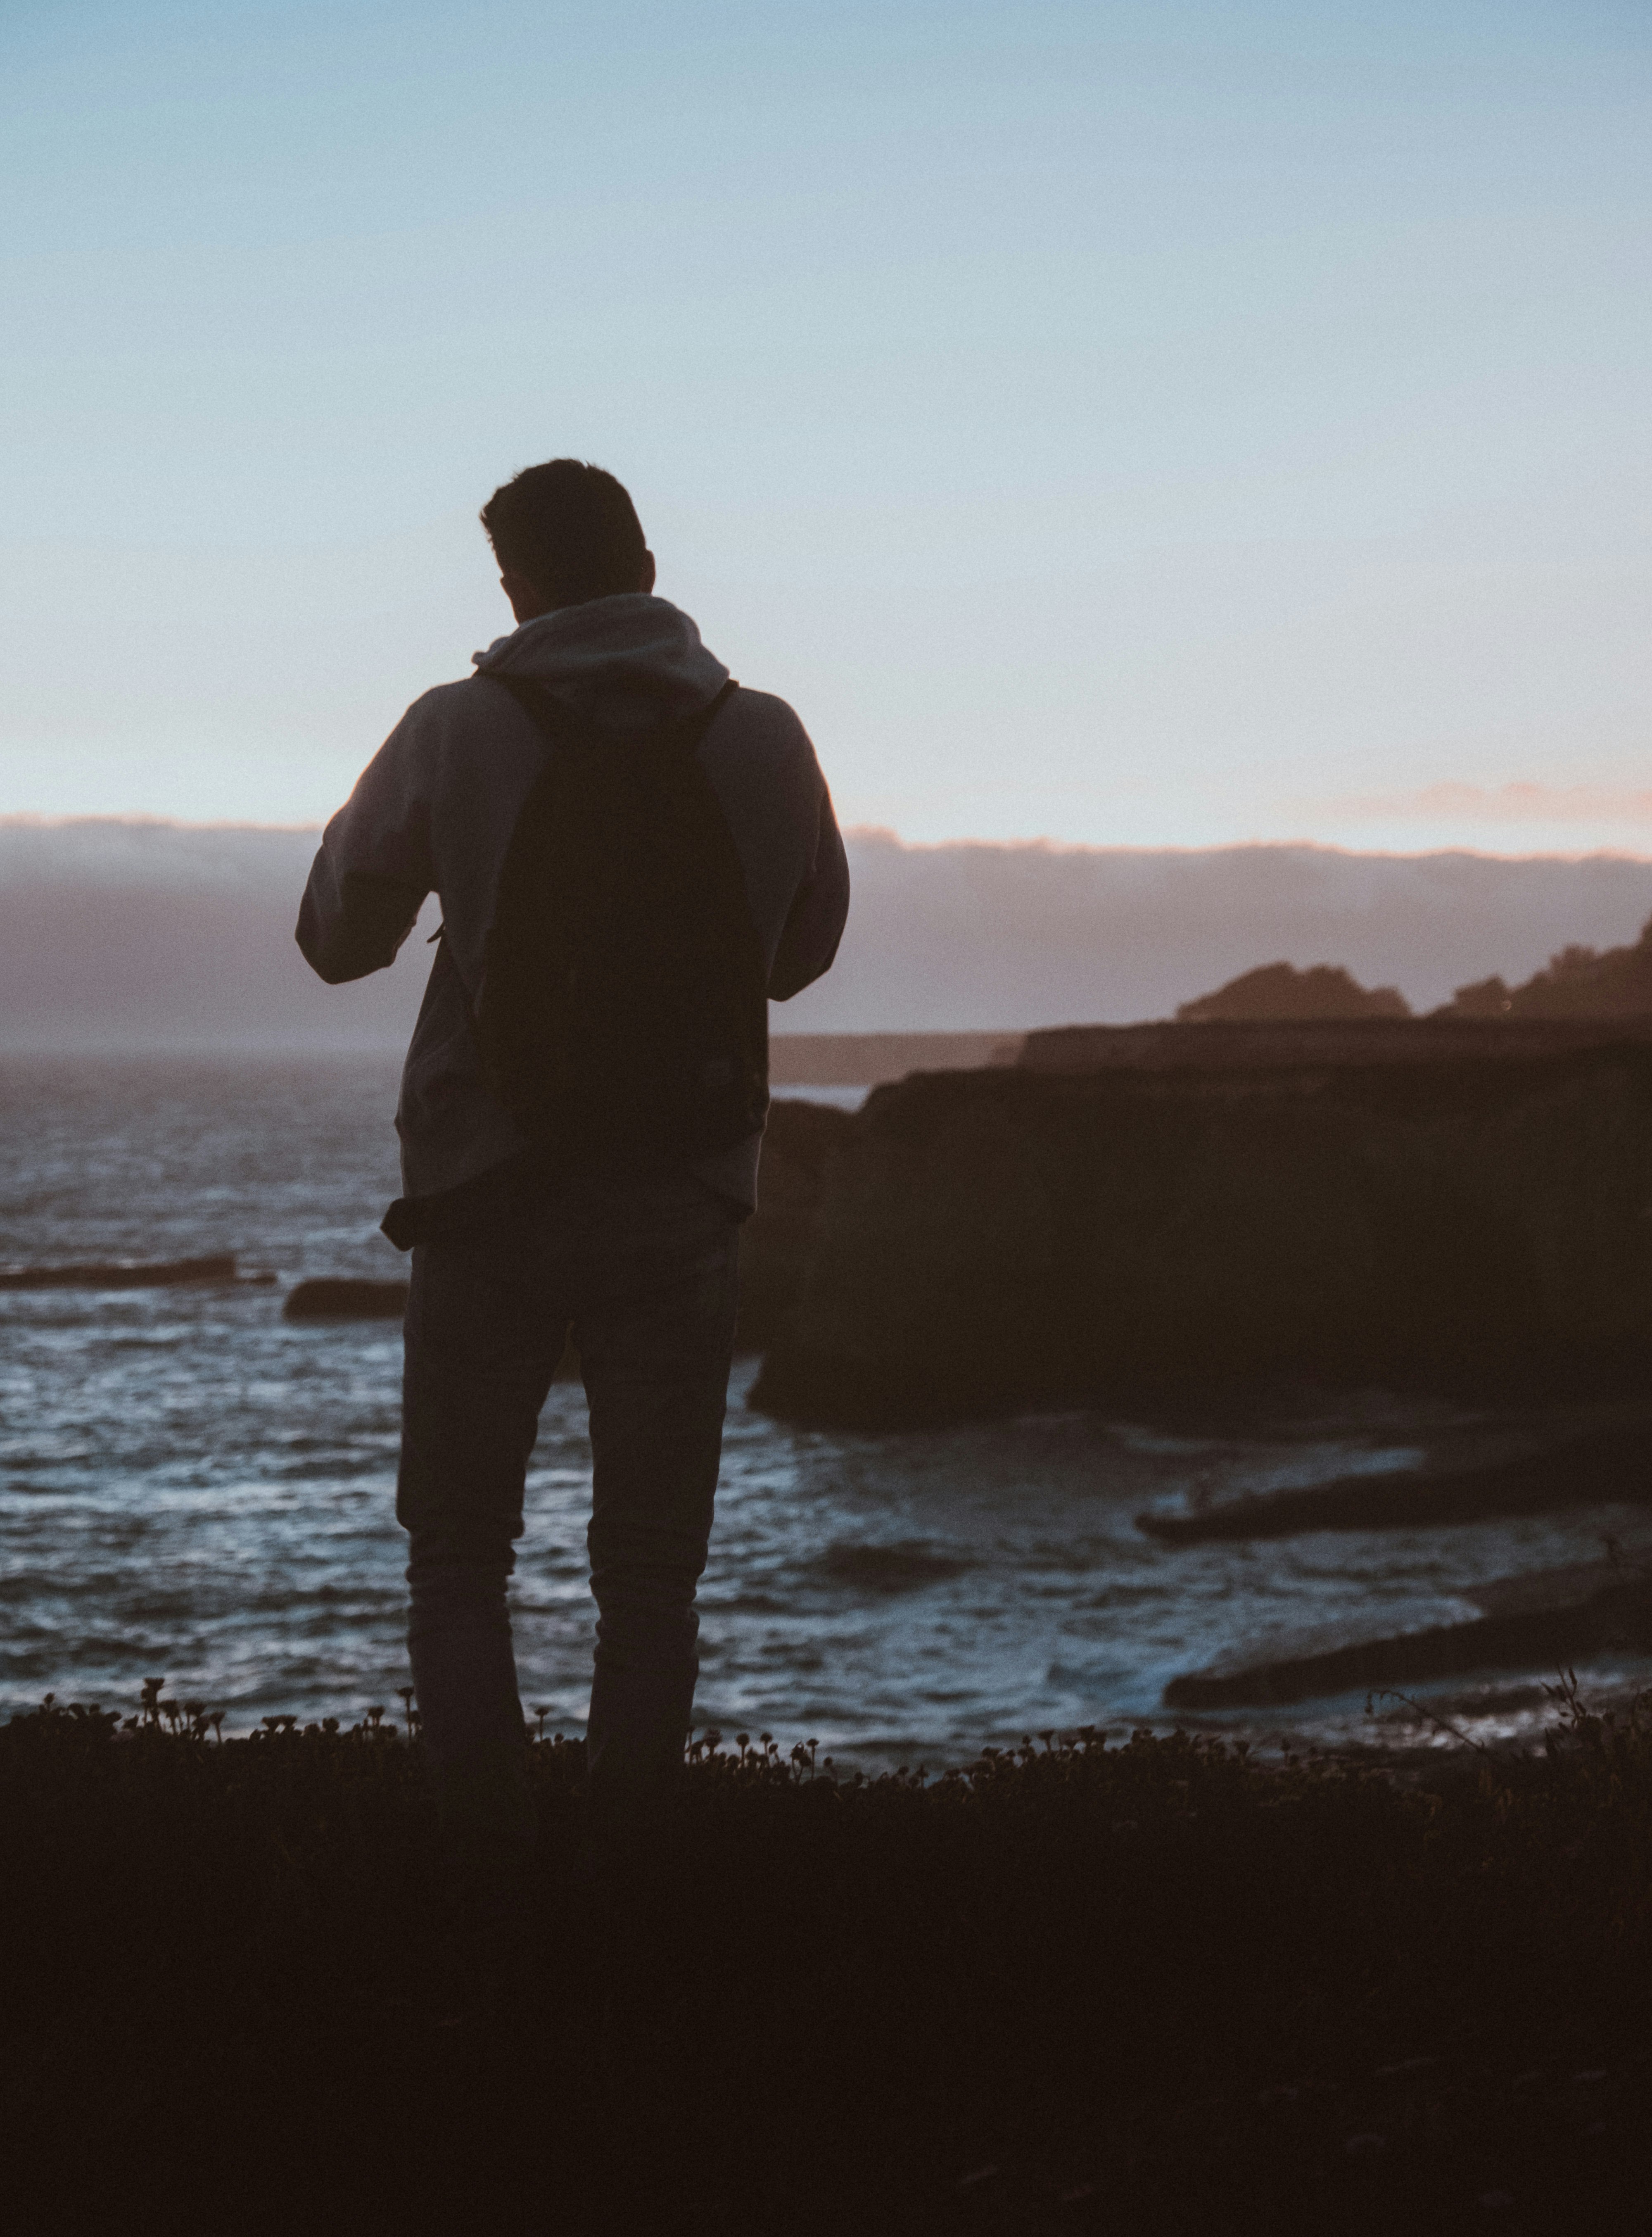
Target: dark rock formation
{"x": 1282, "y": 1045}
{"x": 868, "y": 1060}
{"x": 1609, "y": 1462}
{"x": 997, "y": 1240}
{"x": 127, "y": 1274}
{"x": 325, "y": 1300}
{"x": 1277, "y": 992}
{"x": 1539, "y": 1621}
{"x": 906, "y": 1566}
{"x": 778, "y": 1242}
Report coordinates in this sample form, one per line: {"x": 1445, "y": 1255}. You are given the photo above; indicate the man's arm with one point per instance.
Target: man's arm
{"x": 819, "y": 908}
{"x": 373, "y": 870}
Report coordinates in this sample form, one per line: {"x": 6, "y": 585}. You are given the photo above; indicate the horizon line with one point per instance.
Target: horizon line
{"x": 21, "y": 820}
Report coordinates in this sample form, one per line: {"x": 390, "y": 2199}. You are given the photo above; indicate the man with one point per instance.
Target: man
{"x": 552, "y": 1178}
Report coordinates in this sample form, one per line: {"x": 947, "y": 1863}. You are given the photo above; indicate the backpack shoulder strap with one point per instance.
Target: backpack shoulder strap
{"x": 693, "y": 727}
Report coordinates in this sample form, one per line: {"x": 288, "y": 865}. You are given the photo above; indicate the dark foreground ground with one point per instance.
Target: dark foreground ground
{"x": 1146, "y": 1988}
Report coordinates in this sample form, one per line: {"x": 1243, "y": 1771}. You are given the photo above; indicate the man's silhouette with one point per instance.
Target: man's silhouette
{"x": 629, "y": 853}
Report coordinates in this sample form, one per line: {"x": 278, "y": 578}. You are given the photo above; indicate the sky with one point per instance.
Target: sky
{"x": 1160, "y": 424}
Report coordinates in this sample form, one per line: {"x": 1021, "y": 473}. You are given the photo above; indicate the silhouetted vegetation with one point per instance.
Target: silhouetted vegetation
{"x": 1579, "y": 982}
{"x": 1152, "y": 1986}
{"x": 1276, "y": 993}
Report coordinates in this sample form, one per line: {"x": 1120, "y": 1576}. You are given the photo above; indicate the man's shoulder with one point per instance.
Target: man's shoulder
{"x": 757, "y": 722}
{"x": 761, "y": 764}
{"x": 457, "y": 701}
{"x": 464, "y": 716}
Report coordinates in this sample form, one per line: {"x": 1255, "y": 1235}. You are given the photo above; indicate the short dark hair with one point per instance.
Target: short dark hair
{"x": 571, "y": 529}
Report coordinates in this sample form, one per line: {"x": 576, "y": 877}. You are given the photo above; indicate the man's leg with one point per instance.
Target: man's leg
{"x": 655, "y": 1328}
{"x": 485, "y": 1323}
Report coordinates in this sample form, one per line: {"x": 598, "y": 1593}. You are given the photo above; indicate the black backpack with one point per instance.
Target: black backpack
{"x": 624, "y": 1009}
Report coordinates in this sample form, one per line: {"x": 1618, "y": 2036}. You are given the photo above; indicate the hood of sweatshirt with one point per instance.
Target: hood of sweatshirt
{"x": 625, "y": 663}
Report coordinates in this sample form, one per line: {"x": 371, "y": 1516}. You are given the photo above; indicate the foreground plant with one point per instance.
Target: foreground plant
{"x": 1071, "y": 1983}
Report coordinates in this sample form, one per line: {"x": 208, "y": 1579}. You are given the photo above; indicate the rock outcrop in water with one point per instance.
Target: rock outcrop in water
{"x": 324, "y": 1299}
{"x": 1609, "y": 1461}
{"x": 1474, "y": 1219}
{"x": 1541, "y": 1621}
{"x": 130, "y": 1274}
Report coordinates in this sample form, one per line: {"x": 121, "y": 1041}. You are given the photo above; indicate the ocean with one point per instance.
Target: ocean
{"x": 193, "y": 1489}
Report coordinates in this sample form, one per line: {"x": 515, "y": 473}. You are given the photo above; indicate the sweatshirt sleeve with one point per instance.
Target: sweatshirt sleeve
{"x": 373, "y": 870}
{"x": 819, "y": 910}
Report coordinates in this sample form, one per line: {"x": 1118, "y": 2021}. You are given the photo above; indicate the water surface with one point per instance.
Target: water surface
{"x": 191, "y": 1487}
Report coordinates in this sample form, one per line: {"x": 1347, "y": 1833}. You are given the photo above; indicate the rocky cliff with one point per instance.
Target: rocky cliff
{"x": 868, "y": 1060}
{"x": 1285, "y": 1044}
{"x": 1002, "y": 1240}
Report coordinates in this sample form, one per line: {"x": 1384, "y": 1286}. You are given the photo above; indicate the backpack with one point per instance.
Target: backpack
{"x": 623, "y": 1008}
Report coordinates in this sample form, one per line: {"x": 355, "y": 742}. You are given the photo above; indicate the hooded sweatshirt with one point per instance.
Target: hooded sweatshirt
{"x": 435, "y": 808}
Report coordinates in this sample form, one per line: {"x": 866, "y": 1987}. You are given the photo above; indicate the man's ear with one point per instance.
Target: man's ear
{"x": 527, "y": 600}
{"x": 645, "y": 580}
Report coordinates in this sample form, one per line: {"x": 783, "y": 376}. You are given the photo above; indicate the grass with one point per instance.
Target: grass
{"x": 1078, "y": 1986}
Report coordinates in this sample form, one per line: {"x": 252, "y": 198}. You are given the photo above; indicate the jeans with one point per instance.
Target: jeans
{"x": 643, "y": 1269}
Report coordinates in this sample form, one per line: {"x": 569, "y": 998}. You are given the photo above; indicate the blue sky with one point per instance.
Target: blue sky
{"x": 1153, "y": 424}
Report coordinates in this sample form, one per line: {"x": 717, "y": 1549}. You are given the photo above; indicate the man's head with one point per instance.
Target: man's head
{"x": 564, "y": 533}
